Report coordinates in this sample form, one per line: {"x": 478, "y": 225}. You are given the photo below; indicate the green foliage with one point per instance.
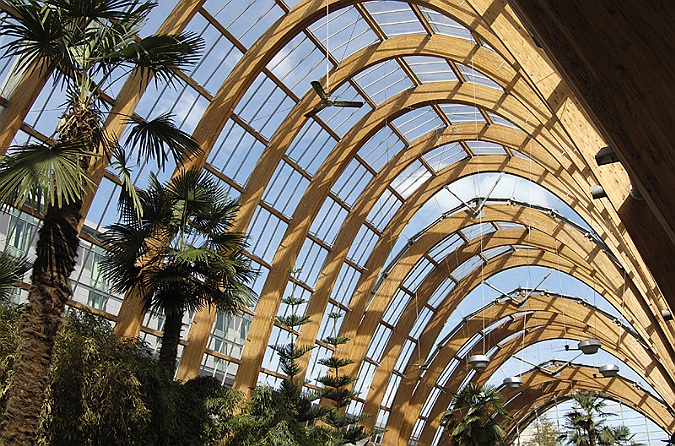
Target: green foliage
{"x": 545, "y": 433}
{"x": 470, "y": 419}
{"x": 344, "y": 426}
{"x": 585, "y": 424}
{"x": 105, "y": 391}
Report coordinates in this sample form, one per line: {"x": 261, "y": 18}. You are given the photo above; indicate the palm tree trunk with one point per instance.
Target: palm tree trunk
{"x": 48, "y": 294}
{"x": 169, "y": 350}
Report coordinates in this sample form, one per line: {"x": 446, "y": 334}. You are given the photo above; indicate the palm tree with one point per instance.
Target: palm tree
{"x": 181, "y": 254}
{"x": 585, "y": 423}
{"x": 471, "y": 418}
{"x": 84, "y": 45}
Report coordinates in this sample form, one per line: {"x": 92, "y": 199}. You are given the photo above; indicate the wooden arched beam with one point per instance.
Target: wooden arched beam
{"x": 542, "y": 393}
{"x": 604, "y": 275}
{"x": 317, "y": 192}
{"x": 498, "y": 264}
{"x": 562, "y": 318}
{"x": 198, "y": 335}
{"x": 578, "y": 322}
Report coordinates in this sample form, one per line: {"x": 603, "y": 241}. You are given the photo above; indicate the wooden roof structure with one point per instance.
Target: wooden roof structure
{"x": 383, "y": 209}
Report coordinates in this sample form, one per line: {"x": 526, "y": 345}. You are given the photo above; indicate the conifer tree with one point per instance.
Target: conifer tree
{"x": 292, "y": 388}
{"x": 336, "y": 389}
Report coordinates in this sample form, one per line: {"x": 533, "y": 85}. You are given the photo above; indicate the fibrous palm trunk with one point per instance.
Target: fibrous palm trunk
{"x": 169, "y": 349}
{"x": 56, "y": 252}
{"x": 50, "y": 289}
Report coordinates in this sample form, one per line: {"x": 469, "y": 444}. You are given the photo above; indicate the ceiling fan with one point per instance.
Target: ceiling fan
{"x": 326, "y": 101}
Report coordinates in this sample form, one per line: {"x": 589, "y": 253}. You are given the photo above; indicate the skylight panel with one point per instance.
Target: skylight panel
{"x": 265, "y": 107}
{"x": 246, "y": 20}
{"x": 444, "y": 156}
{"x": 421, "y": 322}
{"x": 384, "y": 80}
{"x": 363, "y": 245}
{"x": 499, "y": 120}
{"x": 347, "y": 33}
{"x": 457, "y": 113}
{"x": 443, "y": 24}
{"x": 473, "y": 75}
{"x": 431, "y": 69}
{"x": 485, "y": 148}
{"x": 311, "y": 147}
{"x": 445, "y": 247}
{"x": 477, "y": 230}
{"x": 285, "y": 189}
{"x": 265, "y": 233}
{"x": 380, "y": 148}
{"x": 411, "y": 179}
{"x": 345, "y": 284}
{"x": 431, "y": 401}
{"x": 220, "y": 57}
{"x": 395, "y": 18}
{"x": 299, "y": 63}
{"x": 352, "y": 182}
{"x": 497, "y": 251}
{"x": 385, "y": 208}
{"x": 236, "y": 152}
{"x": 392, "y": 389}
{"x": 310, "y": 261}
{"x": 404, "y": 357}
{"x": 377, "y": 345}
{"x": 418, "y": 122}
{"x": 441, "y": 292}
{"x": 417, "y": 275}
{"x": 394, "y": 310}
{"x": 327, "y": 223}
{"x": 466, "y": 268}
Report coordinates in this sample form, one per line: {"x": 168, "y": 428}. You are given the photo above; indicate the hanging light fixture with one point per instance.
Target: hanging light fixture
{"x": 609, "y": 370}
{"x": 589, "y": 346}
{"x": 479, "y": 362}
{"x": 513, "y": 382}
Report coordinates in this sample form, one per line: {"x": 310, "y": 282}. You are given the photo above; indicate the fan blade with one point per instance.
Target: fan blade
{"x": 355, "y": 104}
{"x": 316, "y": 109}
{"x": 319, "y": 90}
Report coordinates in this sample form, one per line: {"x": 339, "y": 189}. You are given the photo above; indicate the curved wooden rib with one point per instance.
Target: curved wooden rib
{"x": 542, "y": 393}
{"x": 555, "y": 321}
{"x": 199, "y": 334}
{"x": 603, "y": 275}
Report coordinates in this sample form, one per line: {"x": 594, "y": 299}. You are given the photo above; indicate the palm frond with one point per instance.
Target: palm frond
{"x": 32, "y": 172}
{"x": 129, "y": 204}
{"x": 34, "y": 37}
{"x": 12, "y": 269}
{"x": 160, "y": 56}
{"x": 159, "y": 138}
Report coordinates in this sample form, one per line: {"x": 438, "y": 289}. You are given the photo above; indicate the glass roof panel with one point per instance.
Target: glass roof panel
{"x": 485, "y": 148}
{"x": 457, "y": 113}
{"x": 411, "y": 179}
{"x": 444, "y": 156}
{"x": 220, "y": 57}
{"x": 416, "y": 123}
{"x": 344, "y": 32}
{"x": 299, "y": 63}
{"x": 311, "y": 147}
{"x": 443, "y": 24}
{"x": 395, "y": 18}
{"x": 247, "y": 20}
{"x": 473, "y": 75}
{"x": 384, "y": 80}
{"x": 236, "y": 152}
{"x": 431, "y": 69}
{"x": 381, "y": 147}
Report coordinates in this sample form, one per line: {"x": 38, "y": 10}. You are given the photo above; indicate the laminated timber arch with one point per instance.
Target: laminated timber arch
{"x": 555, "y": 133}
{"x": 223, "y": 104}
{"x": 541, "y": 326}
{"x": 552, "y": 318}
{"x": 540, "y": 394}
{"x": 602, "y": 272}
